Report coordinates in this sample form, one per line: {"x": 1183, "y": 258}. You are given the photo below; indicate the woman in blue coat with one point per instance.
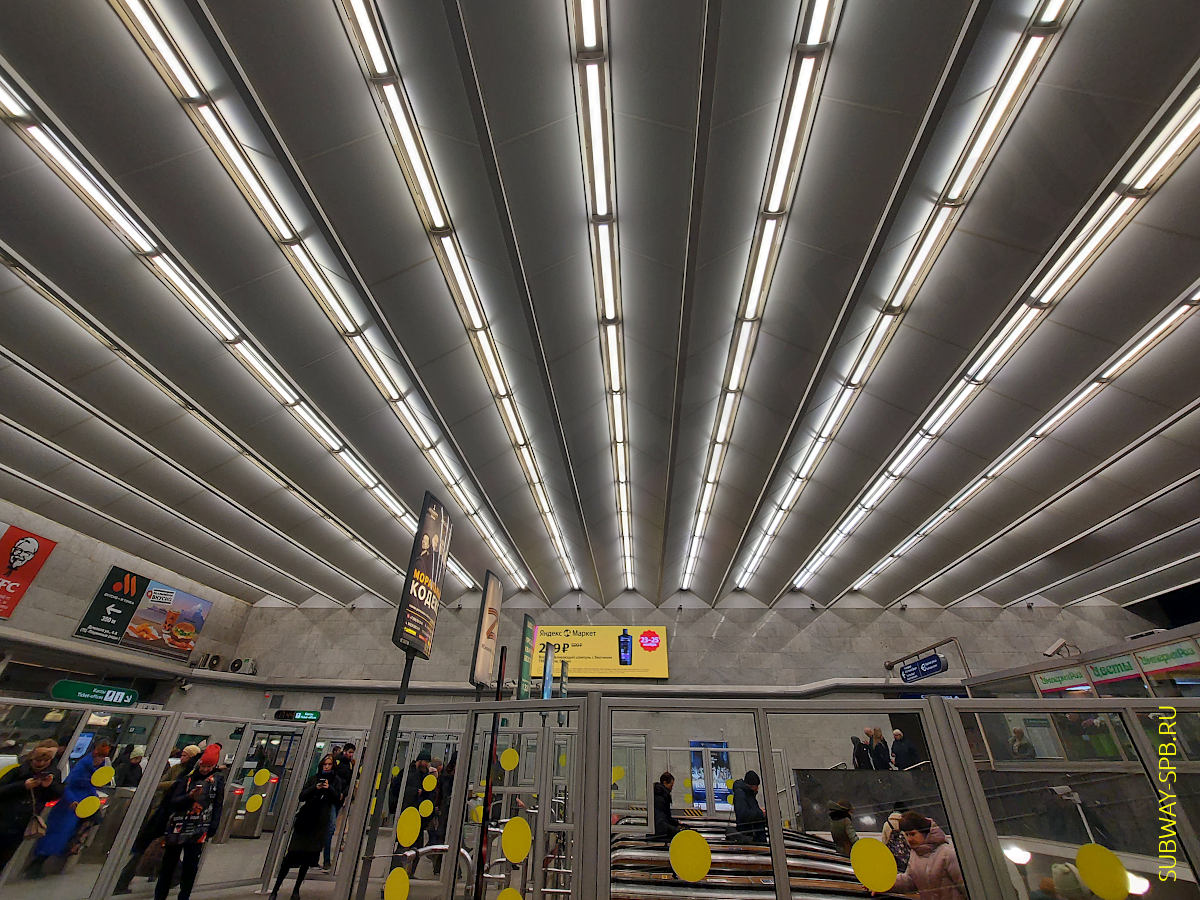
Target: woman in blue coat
{"x": 62, "y": 822}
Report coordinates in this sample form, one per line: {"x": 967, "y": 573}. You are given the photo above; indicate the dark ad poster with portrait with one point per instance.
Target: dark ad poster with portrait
{"x": 417, "y": 615}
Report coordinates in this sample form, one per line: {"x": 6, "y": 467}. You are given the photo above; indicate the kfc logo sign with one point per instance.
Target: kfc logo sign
{"x": 21, "y": 556}
{"x": 649, "y": 640}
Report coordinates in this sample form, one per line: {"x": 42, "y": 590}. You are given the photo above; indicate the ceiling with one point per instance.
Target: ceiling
{"x": 125, "y": 417}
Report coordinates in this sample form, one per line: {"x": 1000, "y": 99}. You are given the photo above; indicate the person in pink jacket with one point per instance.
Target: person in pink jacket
{"x": 933, "y": 870}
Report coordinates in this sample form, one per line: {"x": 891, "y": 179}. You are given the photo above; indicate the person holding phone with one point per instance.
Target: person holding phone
{"x": 24, "y": 792}
{"x": 318, "y": 799}
{"x": 194, "y": 814}
{"x": 62, "y": 823}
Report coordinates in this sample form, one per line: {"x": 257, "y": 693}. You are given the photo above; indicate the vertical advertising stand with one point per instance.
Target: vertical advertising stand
{"x": 482, "y": 852}
{"x": 486, "y": 633}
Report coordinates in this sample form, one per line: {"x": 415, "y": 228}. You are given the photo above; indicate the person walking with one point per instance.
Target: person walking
{"x": 893, "y": 838}
{"x": 841, "y": 826}
{"x": 343, "y": 770}
{"x": 441, "y": 806}
{"x": 24, "y": 792}
{"x": 881, "y": 758}
{"x": 861, "y": 754}
{"x": 156, "y": 820}
{"x": 749, "y": 816}
{"x": 193, "y": 816}
{"x": 665, "y": 825}
{"x": 318, "y": 800}
{"x": 62, "y": 823}
{"x": 904, "y": 753}
{"x": 933, "y": 870}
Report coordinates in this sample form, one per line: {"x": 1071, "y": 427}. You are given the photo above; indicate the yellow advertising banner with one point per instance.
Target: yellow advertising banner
{"x": 604, "y": 651}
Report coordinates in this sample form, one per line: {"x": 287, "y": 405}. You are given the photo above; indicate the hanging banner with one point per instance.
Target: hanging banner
{"x": 548, "y": 673}
{"x": 1118, "y": 668}
{"x": 1169, "y": 656}
{"x": 422, "y": 595}
{"x": 139, "y": 613}
{"x": 482, "y": 674}
{"x": 21, "y": 556}
{"x": 606, "y": 651}
{"x": 525, "y": 669}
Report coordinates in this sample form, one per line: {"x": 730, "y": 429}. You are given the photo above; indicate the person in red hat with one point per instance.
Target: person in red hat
{"x": 194, "y": 812}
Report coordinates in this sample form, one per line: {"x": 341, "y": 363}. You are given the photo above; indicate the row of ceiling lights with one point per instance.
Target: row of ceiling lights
{"x": 1170, "y": 144}
{"x": 58, "y": 152}
{"x": 1016, "y": 78}
{"x": 594, "y": 92}
{"x": 363, "y": 25}
{"x": 803, "y": 85}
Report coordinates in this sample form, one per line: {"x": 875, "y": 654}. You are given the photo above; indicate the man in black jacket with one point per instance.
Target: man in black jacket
{"x": 750, "y": 818}
{"x": 666, "y": 826}
{"x": 194, "y": 815}
{"x": 904, "y": 753}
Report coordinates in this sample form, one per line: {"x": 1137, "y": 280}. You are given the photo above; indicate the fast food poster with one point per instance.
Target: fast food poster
{"x": 486, "y": 632}
{"x": 421, "y": 598}
{"x": 605, "y": 651}
{"x": 21, "y": 556}
{"x": 139, "y": 613}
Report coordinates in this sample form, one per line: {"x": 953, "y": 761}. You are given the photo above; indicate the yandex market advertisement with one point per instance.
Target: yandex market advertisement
{"x": 604, "y": 651}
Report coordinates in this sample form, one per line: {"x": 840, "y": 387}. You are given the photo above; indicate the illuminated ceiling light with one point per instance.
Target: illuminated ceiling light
{"x": 904, "y": 461}
{"x": 870, "y": 350}
{"x": 882, "y": 485}
{"x": 266, "y": 372}
{"x": 373, "y": 359}
{"x": 810, "y": 460}
{"x": 776, "y": 522}
{"x": 595, "y": 119}
{"x": 835, "y": 412}
{"x": 10, "y": 102}
{"x": 613, "y": 350}
{"x": 793, "y": 492}
{"x": 1080, "y": 398}
{"x": 816, "y": 22}
{"x": 1170, "y": 140}
{"x": 725, "y": 418}
{"x": 510, "y": 416}
{"x": 1011, "y": 457}
{"x": 399, "y": 114}
{"x": 1018, "y": 855}
{"x": 757, "y": 295}
{"x": 492, "y": 364}
{"x": 388, "y": 499}
{"x": 91, "y": 187}
{"x": 1102, "y": 226}
{"x": 163, "y": 47}
{"x": 950, "y": 407}
{"x": 1013, "y": 332}
{"x": 193, "y": 296}
{"x": 622, "y": 472}
{"x": 741, "y": 356}
{"x": 464, "y": 289}
{"x": 319, "y": 281}
{"x": 357, "y": 468}
{"x": 1051, "y": 11}
{"x": 525, "y": 455}
{"x": 921, "y": 258}
{"x": 317, "y": 426}
{"x": 237, "y": 158}
{"x": 412, "y": 421}
{"x": 540, "y": 498}
{"x": 366, "y": 27}
{"x": 618, "y": 413}
{"x": 608, "y": 294}
{"x": 714, "y": 463}
{"x": 587, "y": 21}
{"x": 706, "y": 496}
{"x": 444, "y": 468}
{"x": 785, "y": 159}
{"x": 1125, "y": 360}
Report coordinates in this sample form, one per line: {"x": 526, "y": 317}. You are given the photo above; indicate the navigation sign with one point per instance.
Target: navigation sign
{"x": 933, "y": 664}
{"x": 524, "y": 676}
{"x": 139, "y": 613}
{"x": 297, "y": 715}
{"x": 84, "y": 692}
{"x": 113, "y": 607}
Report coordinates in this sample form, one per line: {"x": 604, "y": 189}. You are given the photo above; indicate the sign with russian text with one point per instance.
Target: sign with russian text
{"x": 21, "y": 556}
{"x": 1061, "y": 680}
{"x": 605, "y": 651}
{"x": 1119, "y": 668}
{"x": 924, "y": 667}
{"x": 525, "y": 670}
{"x": 486, "y": 632}
{"x": 139, "y": 613}
{"x": 421, "y": 598}
{"x": 1168, "y": 656}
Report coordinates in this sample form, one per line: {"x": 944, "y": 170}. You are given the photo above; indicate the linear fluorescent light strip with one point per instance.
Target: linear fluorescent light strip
{"x": 779, "y": 187}
{"x": 1166, "y": 323}
{"x": 975, "y": 157}
{"x": 383, "y": 76}
{"x": 1068, "y": 265}
{"x": 125, "y": 222}
{"x": 300, "y": 252}
{"x": 595, "y": 99}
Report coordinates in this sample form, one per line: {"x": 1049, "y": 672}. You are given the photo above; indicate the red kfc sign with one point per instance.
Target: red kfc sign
{"x": 21, "y": 556}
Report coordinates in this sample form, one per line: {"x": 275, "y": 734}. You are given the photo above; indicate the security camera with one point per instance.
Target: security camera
{"x": 1055, "y": 647}
{"x": 1065, "y": 792}
{"x": 185, "y": 686}
{"x": 578, "y": 606}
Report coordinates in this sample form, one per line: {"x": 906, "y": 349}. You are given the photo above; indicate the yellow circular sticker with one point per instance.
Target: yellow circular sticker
{"x": 396, "y": 886}
{"x": 687, "y": 798}
{"x": 618, "y": 773}
{"x": 477, "y": 813}
{"x": 691, "y": 857}
{"x": 687, "y": 782}
{"x": 103, "y": 776}
{"x": 262, "y": 776}
{"x": 516, "y": 839}
{"x": 1102, "y": 872}
{"x": 562, "y": 761}
{"x": 87, "y": 807}
{"x": 408, "y": 827}
{"x": 429, "y": 782}
{"x": 7, "y": 769}
{"x": 873, "y": 864}
{"x": 254, "y": 804}
{"x": 426, "y": 808}
{"x": 509, "y": 894}
{"x": 395, "y": 772}
{"x": 729, "y": 784}
{"x": 509, "y": 759}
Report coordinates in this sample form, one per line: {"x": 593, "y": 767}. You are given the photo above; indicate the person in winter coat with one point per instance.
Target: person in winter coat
{"x": 881, "y": 758}
{"x": 841, "y": 825}
{"x": 893, "y": 839}
{"x": 861, "y": 754}
{"x": 904, "y": 753}
{"x": 750, "y": 818}
{"x": 24, "y": 792}
{"x": 62, "y": 823}
{"x": 129, "y": 771}
{"x": 665, "y": 825}
{"x": 933, "y": 870}
{"x": 156, "y": 820}
{"x": 1019, "y": 747}
{"x": 318, "y": 802}
{"x": 193, "y": 816}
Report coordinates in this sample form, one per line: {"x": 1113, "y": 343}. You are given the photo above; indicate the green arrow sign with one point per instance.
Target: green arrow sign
{"x": 83, "y": 692}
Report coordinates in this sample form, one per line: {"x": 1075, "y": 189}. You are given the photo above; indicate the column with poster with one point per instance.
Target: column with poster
{"x": 524, "y": 676}
{"x": 416, "y": 615}
{"x": 486, "y": 632}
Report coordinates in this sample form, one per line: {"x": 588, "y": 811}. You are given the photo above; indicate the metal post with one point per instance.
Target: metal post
{"x": 779, "y": 865}
{"x": 482, "y": 853}
{"x": 361, "y": 805}
{"x": 408, "y": 661}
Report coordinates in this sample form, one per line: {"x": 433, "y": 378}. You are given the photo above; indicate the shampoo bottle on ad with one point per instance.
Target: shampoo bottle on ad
{"x": 625, "y": 648}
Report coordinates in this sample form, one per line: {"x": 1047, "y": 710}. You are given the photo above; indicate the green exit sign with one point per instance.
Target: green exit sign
{"x": 83, "y": 692}
{"x": 297, "y": 715}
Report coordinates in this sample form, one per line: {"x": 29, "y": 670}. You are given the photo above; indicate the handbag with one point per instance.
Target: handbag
{"x": 37, "y": 825}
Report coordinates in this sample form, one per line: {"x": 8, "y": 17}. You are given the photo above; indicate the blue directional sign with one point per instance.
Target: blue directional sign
{"x": 923, "y": 668}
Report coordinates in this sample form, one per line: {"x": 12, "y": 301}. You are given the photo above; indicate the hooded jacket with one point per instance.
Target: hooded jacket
{"x": 841, "y": 827}
{"x": 893, "y": 837}
{"x": 18, "y": 804}
{"x": 751, "y": 821}
{"x": 664, "y": 822}
{"x": 933, "y": 869}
